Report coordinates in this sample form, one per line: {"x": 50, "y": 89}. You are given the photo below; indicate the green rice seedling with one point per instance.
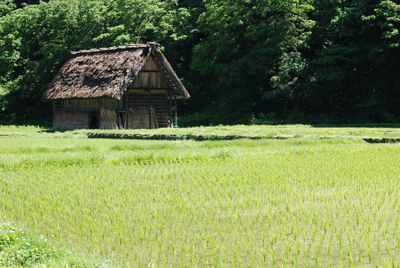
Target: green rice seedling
{"x": 303, "y": 202}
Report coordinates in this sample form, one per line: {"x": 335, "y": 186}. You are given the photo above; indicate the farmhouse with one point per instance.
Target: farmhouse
{"x": 125, "y": 87}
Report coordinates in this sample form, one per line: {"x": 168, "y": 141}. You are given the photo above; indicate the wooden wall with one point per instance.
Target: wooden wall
{"x": 149, "y": 111}
{"x": 149, "y": 103}
{"x": 109, "y": 119}
{"x": 88, "y": 105}
{"x": 150, "y": 77}
{"x": 150, "y": 99}
{"x": 66, "y": 120}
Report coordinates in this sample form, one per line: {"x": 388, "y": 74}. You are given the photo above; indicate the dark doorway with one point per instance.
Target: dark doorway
{"x": 94, "y": 122}
{"x": 122, "y": 120}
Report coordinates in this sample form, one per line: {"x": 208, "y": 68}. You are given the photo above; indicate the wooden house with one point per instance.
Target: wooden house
{"x": 125, "y": 87}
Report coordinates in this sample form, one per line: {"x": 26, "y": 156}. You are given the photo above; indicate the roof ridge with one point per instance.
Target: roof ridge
{"x": 107, "y": 49}
{"x": 107, "y": 72}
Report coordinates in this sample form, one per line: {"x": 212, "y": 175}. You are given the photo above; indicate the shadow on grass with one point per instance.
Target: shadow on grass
{"x": 383, "y": 140}
{"x": 51, "y": 130}
{"x": 371, "y": 125}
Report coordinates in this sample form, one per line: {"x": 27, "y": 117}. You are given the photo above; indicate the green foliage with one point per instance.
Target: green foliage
{"x": 386, "y": 16}
{"x": 293, "y": 60}
{"x": 353, "y": 68}
{"x": 23, "y": 3}
{"x": 251, "y": 48}
{"x": 36, "y": 40}
{"x": 7, "y": 236}
{"x": 18, "y": 250}
{"x": 6, "y": 6}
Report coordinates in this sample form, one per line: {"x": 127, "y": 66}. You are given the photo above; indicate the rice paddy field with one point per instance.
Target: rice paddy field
{"x": 323, "y": 197}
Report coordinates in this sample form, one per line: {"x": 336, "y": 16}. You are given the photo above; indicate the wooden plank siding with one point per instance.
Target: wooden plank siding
{"x": 150, "y": 77}
{"x": 150, "y": 97}
{"x": 87, "y": 105}
{"x": 149, "y": 102}
{"x": 158, "y": 109}
{"x": 70, "y": 120}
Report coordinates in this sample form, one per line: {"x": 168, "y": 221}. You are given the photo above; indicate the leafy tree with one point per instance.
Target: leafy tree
{"x": 22, "y": 3}
{"x": 299, "y": 60}
{"x": 6, "y": 6}
{"x": 250, "y": 56}
{"x": 36, "y": 40}
{"x": 353, "y": 67}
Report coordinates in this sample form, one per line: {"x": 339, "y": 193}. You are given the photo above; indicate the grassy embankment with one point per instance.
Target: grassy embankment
{"x": 303, "y": 201}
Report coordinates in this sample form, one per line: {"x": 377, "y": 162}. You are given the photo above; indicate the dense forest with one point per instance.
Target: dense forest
{"x": 244, "y": 61}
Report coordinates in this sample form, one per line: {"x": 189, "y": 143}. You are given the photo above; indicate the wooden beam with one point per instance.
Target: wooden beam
{"x": 176, "y": 112}
{"x": 150, "y": 71}
{"x": 149, "y": 88}
{"x": 149, "y": 102}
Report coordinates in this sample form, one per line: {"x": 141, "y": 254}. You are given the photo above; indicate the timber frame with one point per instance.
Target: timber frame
{"x": 126, "y": 87}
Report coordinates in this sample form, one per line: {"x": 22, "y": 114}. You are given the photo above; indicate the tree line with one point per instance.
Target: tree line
{"x": 309, "y": 61}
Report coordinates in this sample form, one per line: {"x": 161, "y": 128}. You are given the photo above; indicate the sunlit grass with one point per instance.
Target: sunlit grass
{"x": 289, "y": 131}
{"x": 299, "y": 202}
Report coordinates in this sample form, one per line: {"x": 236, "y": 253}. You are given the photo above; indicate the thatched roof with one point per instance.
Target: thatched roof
{"x": 108, "y": 72}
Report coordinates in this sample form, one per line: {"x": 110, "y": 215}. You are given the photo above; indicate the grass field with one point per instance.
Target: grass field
{"x": 304, "y": 201}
